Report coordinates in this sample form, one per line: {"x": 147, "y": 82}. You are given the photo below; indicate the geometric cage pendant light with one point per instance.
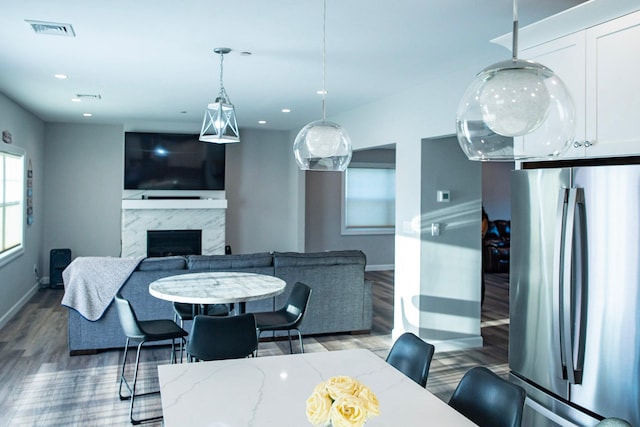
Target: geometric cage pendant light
{"x": 511, "y": 99}
{"x": 323, "y": 145}
{"x": 219, "y": 124}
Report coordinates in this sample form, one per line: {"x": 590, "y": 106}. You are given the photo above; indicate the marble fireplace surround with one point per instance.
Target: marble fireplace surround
{"x": 140, "y": 215}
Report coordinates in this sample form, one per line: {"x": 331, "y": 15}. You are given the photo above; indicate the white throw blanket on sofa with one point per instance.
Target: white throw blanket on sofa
{"x": 91, "y": 283}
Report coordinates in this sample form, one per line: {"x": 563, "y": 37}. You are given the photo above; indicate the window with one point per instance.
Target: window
{"x": 369, "y": 203}
{"x": 11, "y": 202}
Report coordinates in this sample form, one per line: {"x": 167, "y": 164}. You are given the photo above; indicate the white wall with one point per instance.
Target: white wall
{"x": 17, "y": 278}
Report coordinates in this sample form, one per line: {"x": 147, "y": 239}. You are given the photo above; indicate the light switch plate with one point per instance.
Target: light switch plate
{"x": 444, "y": 196}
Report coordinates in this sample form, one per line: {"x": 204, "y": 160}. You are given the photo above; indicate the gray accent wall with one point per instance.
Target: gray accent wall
{"x": 84, "y": 173}
{"x": 323, "y": 215}
{"x": 83, "y": 170}
{"x": 262, "y": 187}
{"x": 496, "y": 189}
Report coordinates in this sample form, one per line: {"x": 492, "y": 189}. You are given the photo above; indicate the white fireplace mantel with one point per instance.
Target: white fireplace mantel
{"x": 142, "y": 215}
{"x": 174, "y": 204}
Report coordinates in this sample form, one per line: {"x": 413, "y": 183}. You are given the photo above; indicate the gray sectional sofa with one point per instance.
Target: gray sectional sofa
{"x": 341, "y": 300}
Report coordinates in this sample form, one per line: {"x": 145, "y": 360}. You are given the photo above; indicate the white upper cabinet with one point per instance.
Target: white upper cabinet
{"x": 613, "y": 87}
{"x": 600, "y": 66}
{"x": 566, "y": 57}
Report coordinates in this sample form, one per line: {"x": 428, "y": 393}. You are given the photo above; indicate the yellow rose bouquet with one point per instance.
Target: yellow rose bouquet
{"x": 342, "y": 402}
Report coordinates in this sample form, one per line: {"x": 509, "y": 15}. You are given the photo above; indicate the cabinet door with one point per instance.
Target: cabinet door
{"x": 613, "y": 87}
{"x": 566, "y": 57}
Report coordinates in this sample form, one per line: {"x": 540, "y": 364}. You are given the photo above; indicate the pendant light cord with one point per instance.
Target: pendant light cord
{"x": 324, "y": 54}
{"x": 222, "y": 95}
{"x": 514, "y": 48}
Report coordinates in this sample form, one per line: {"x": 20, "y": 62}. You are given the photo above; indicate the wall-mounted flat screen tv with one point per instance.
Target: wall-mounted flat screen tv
{"x": 166, "y": 161}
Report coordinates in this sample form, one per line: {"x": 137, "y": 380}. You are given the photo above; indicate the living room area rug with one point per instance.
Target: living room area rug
{"x": 82, "y": 397}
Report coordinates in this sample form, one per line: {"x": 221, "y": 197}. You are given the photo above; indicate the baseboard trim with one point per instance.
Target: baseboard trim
{"x": 18, "y": 305}
{"x": 380, "y": 267}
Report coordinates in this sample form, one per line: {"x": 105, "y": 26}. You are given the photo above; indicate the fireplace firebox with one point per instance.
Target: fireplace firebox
{"x": 174, "y": 242}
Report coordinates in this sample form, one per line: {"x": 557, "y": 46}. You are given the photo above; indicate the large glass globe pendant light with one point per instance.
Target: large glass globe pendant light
{"x": 511, "y": 99}
{"x": 322, "y": 145}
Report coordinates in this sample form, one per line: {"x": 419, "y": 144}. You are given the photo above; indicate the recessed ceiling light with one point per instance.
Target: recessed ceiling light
{"x": 321, "y": 92}
{"x": 60, "y": 76}
{"x": 87, "y": 114}
{"x": 286, "y": 110}
{"x": 76, "y": 100}
{"x": 262, "y": 122}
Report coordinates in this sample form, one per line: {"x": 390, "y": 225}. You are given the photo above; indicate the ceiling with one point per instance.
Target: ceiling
{"x": 152, "y": 62}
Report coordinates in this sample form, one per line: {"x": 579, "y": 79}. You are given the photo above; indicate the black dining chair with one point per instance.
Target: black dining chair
{"x": 412, "y": 356}
{"x": 289, "y": 317}
{"x": 183, "y": 312}
{"x": 219, "y": 338}
{"x": 143, "y": 331}
{"x": 488, "y": 400}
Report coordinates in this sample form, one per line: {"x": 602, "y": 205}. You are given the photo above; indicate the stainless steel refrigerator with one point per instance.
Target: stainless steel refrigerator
{"x": 574, "y": 338}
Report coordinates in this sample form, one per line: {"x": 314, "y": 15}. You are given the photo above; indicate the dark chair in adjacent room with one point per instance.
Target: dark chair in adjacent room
{"x": 218, "y": 338}
{"x": 412, "y": 356}
{"x": 488, "y": 400}
{"x": 143, "y": 331}
{"x": 289, "y": 317}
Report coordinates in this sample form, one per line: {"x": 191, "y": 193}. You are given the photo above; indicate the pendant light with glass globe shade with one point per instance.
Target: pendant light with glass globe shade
{"x": 511, "y": 99}
{"x": 219, "y": 124}
{"x": 322, "y": 145}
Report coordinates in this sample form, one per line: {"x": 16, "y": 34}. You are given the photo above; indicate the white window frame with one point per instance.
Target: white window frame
{"x": 14, "y": 252}
{"x": 343, "y": 211}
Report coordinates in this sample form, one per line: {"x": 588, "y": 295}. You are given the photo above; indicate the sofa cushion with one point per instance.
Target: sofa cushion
{"x": 163, "y": 263}
{"x": 226, "y": 262}
{"x": 293, "y": 259}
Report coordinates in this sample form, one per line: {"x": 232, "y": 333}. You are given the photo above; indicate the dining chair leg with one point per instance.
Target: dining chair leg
{"x": 300, "y": 339}
{"x": 122, "y": 378}
{"x": 132, "y": 387}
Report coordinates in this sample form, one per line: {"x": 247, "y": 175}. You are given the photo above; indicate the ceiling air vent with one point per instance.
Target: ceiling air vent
{"x": 51, "y": 28}
{"x": 88, "y": 97}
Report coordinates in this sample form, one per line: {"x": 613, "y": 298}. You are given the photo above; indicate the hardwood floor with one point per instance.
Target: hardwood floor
{"x": 41, "y": 385}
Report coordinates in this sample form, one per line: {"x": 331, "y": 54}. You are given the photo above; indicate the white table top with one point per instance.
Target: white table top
{"x": 216, "y": 287}
{"x": 272, "y": 391}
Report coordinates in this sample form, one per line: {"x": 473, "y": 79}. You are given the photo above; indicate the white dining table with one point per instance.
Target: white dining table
{"x": 216, "y": 287}
{"x": 272, "y": 391}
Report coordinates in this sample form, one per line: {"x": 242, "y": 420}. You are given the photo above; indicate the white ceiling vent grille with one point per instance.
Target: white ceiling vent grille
{"x": 51, "y": 28}
{"x": 88, "y": 97}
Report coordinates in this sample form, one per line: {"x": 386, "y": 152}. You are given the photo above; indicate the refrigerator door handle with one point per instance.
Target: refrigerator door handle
{"x": 571, "y": 286}
{"x": 558, "y": 349}
{"x": 565, "y": 291}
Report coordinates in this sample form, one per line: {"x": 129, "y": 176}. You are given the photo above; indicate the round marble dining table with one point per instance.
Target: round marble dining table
{"x": 217, "y": 287}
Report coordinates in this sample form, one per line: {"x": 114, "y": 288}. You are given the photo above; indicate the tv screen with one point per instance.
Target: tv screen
{"x": 163, "y": 161}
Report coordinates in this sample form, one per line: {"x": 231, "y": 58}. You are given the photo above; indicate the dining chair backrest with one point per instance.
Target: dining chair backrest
{"x": 412, "y": 356}
{"x": 218, "y": 338}
{"x": 297, "y": 303}
{"x": 128, "y": 318}
{"x": 488, "y": 400}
